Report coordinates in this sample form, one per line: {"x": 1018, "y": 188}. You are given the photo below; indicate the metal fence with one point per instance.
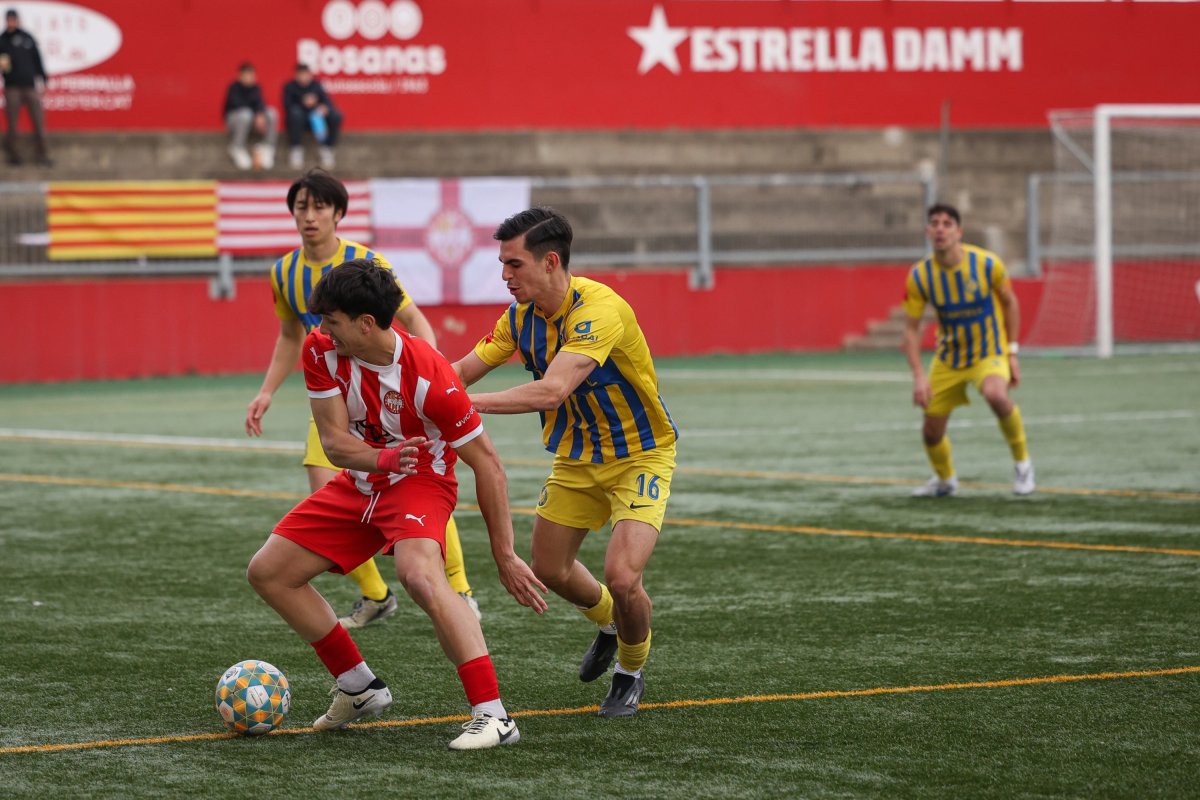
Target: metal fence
{"x": 695, "y": 222}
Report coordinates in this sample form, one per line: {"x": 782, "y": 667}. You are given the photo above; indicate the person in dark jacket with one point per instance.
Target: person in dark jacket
{"x": 307, "y": 107}
{"x": 245, "y": 112}
{"x": 24, "y": 82}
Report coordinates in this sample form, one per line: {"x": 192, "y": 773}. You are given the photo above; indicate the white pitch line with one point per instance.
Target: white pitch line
{"x": 955, "y": 424}
{"x": 89, "y": 437}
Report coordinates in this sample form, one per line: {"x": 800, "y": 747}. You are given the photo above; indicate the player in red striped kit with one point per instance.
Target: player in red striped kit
{"x": 391, "y": 411}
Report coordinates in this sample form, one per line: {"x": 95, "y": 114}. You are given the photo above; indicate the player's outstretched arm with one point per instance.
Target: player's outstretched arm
{"x": 346, "y": 450}
{"x": 416, "y": 323}
{"x": 491, "y": 490}
{"x": 283, "y": 359}
{"x": 566, "y": 372}
{"x": 471, "y": 368}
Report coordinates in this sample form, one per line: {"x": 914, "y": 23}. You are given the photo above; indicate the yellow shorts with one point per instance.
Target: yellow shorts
{"x": 314, "y": 456}
{"x": 949, "y": 385}
{"x": 580, "y": 494}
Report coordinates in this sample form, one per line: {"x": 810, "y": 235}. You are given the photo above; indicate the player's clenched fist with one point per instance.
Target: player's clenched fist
{"x": 403, "y": 458}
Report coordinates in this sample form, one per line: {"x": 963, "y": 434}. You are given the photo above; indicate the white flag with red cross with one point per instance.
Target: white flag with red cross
{"x": 438, "y": 235}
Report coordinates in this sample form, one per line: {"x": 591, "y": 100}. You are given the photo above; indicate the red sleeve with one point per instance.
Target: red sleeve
{"x": 320, "y": 364}
{"x": 445, "y": 402}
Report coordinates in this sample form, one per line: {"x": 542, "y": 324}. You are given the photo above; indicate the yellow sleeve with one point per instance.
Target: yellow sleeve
{"x": 999, "y": 273}
{"x": 499, "y": 345}
{"x": 383, "y": 262}
{"x": 914, "y": 298}
{"x": 593, "y": 331}
{"x": 283, "y": 309}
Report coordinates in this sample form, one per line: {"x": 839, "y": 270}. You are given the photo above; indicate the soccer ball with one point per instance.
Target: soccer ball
{"x": 253, "y": 698}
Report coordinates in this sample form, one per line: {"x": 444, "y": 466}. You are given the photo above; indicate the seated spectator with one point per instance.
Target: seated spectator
{"x": 308, "y": 108}
{"x": 245, "y": 111}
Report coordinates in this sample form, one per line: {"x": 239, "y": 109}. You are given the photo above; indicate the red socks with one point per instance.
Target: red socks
{"x": 339, "y": 653}
{"x": 478, "y": 678}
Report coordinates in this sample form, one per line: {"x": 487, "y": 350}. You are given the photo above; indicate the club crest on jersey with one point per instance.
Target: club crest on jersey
{"x": 392, "y": 402}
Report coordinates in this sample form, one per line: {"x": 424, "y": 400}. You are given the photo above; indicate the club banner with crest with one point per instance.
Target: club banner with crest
{"x": 438, "y": 235}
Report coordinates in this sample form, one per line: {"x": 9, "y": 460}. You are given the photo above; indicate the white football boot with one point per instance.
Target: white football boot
{"x": 366, "y": 611}
{"x": 1023, "y": 483}
{"x": 936, "y": 487}
{"x": 346, "y": 708}
{"x": 483, "y": 731}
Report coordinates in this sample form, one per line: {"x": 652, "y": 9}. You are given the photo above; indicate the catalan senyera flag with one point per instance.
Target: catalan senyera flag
{"x": 131, "y": 219}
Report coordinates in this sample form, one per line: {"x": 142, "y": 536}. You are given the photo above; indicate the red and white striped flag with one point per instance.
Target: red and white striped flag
{"x": 253, "y": 219}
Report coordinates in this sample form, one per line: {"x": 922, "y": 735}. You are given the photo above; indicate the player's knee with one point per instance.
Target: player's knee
{"x": 553, "y": 575}
{"x": 260, "y": 573}
{"x": 418, "y": 583}
{"x": 623, "y": 584}
{"x": 931, "y": 436}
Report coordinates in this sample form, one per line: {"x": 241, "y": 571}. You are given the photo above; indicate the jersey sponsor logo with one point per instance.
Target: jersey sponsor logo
{"x": 636, "y": 506}
{"x": 393, "y": 402}
{"x": 583, "y": 327}
{"x": 465, "y": 419}
{"x": 452, "y": 390}
{"x": 543, "y": 497}
{"x": 316, "y": 356}
{"x": 420, "y": 520}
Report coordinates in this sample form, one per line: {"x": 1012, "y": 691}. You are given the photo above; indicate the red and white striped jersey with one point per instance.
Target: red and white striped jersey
{"x": 418, "y": 394}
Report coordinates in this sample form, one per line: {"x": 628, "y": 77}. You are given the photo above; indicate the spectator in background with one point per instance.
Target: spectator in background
{"x": 246, "y": 111}
{"x": 308, "y": 108}
{"x": 24, "y": 82}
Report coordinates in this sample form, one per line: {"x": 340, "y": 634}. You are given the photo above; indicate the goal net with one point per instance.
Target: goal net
{"x": 1119, "y": 234}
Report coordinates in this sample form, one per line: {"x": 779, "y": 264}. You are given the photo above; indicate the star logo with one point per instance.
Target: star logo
{"x": 658, "y": 41}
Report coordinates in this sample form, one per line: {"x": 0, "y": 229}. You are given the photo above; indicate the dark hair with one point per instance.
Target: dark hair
{"x": 245, "y": 66}
{"x": 322, "y": 187}
{"x": 544, "y": 228}
{"x": 357, "y": 287}
{"x": 302, "y": 67}
{"x": 944, "y": 208}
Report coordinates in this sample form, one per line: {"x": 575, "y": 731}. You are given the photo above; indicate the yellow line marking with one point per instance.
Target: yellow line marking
{"x": 812, "y": 477}
{"x": 715, "y": 472}
{"x": 932, "y": 537}
{"x": 695, "y": 703}
{"x": 53, "y": 480}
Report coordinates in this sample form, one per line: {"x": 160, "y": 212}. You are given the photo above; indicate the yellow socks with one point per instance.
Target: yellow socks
{"x": 369, "y": 581}
{"x": 940, "y": 458}
{"x": 456, "y": 569}
{"x": 631, "y": 657}
{"x": 1014, "y": 433}
{"x": 602, "y": 612}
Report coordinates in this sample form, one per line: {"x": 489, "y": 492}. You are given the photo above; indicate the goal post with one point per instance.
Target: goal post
{"x": 1103, "y": 198}
{"x": 1122, "y": 243}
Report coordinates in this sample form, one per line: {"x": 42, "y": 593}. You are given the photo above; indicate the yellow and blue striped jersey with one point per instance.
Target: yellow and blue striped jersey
{"x": 293, "y": 279}
{"x": 617, "y": 411}
{"x": 970, "y": 320}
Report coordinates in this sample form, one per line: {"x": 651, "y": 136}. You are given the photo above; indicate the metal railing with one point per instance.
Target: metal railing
{"x": 1076, "y": 225}
{"x": 696, "y": 222}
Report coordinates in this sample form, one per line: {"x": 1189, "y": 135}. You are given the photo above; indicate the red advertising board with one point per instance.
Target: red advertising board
{"x": 613, "y": 64}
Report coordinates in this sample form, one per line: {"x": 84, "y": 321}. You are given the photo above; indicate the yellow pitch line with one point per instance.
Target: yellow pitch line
{"x": 693, "y": 523}
{"x": 54, "y": 480}
{"x": 715, "y": 472}
{"x": 933, "y": 537}
{"x": 671, "y": 704}
{"x": 814, "y": 477}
